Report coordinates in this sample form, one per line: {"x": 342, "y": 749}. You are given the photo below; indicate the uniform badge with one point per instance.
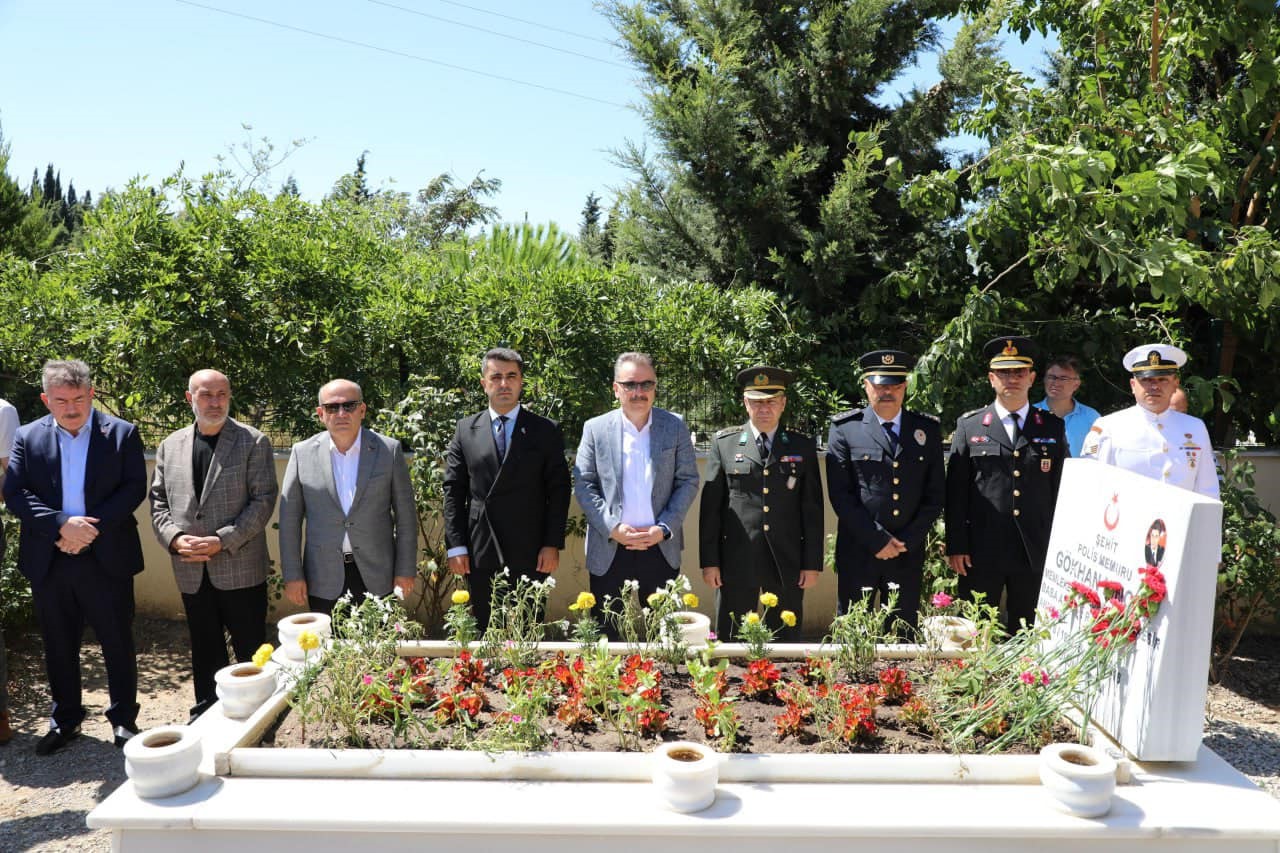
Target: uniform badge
{"x": 1035, "y": 414}
{"x": 1046, "y": 465}
{"x": 986, "y": 419}
{"x": 920, "y": 437}
{"x": 738, "y": 457}
{"x": 978, "y": 439}
{"x": 742, "y": 439}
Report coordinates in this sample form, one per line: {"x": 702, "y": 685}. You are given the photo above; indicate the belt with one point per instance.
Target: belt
{"x": 348, "y": 559}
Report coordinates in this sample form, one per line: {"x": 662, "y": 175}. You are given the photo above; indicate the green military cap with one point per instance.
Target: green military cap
{"x": 762, "y": 382}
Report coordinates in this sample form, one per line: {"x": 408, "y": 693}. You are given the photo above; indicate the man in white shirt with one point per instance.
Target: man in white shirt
{"x": 351, "y": 487}
{"x": 635, "y": 511}
{"x": 1151, "y": 437}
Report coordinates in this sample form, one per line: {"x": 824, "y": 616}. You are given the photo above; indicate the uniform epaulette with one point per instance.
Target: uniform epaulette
{"x": 929, "y": 417}
{"x": 728, "y": 431}
{"x": 845, "y": 417}
{"x": 973, "y": 412}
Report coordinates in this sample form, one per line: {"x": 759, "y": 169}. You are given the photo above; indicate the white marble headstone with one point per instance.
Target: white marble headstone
{"x": 1104, "y": 519}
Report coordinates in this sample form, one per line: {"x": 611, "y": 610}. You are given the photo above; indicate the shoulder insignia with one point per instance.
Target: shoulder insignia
{"x": 925, "y": 415}
{"x": 973, "y": 412}
{"x": 727, "y": 431}
{"x": 845, "y": 417}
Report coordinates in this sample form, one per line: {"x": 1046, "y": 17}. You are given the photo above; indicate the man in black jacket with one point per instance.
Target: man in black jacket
{"x": 506, "y": 487}
{"x": 1002, "y": 485}
{"x": 885, "y": 481}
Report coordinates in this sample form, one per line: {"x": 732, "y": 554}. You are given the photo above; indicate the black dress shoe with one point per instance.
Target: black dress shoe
{"x": 55, "y": 739}
{"x": 123, "y": 734}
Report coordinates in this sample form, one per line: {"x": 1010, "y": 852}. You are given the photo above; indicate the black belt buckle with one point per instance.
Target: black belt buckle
{"x": 348, "y": 559}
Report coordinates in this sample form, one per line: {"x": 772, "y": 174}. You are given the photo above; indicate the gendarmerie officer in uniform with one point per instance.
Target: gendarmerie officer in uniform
{"x": 760, "y": 523}
{"x": 886, "y": 484}
{"x": 1002, "y": 483}
{"x": 1151, "y": 438}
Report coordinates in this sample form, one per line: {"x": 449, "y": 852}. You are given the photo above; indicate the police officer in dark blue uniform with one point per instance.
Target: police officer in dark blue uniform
{"x": 885, "y": 481}
{"x": 760, "y": 519}
{"x": 1002, "y": 483}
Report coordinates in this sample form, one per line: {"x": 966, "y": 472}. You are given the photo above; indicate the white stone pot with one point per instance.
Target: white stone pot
{"x": 685, "y": 775}
{"x": 1080, "y": 779}
{"x": 948, "y": 632}
{"x": 243, "y": 687}
{"x": 163, "y": 761}
{"x": 290, "y": 627}
{"x": 694, "y": 627}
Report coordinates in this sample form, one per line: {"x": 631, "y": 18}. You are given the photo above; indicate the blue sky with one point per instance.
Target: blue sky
{"x": 109, "y": 90}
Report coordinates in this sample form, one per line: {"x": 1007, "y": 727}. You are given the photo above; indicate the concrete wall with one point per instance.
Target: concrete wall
{"x": 157, "y": 593}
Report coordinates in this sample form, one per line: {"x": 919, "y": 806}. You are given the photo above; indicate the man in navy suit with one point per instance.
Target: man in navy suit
{"x": 506, "y": 487}
{"x": 74, "y": 479}
{"x": 635, "y": 477}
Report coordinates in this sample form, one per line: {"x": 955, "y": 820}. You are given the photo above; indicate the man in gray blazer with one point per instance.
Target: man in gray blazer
{"x": 211, "y": 498}
{"x": 351, "y": 486}
{"x": 635, "y": 477}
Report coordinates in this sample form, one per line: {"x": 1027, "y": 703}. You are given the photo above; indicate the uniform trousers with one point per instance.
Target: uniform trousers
{"x": 1015, "y": 578}
{"x": 76, "y": 591}
{"x": 213, "y": 613}
{"x": 874, "y": 576}
{"x": 737, "y": 597}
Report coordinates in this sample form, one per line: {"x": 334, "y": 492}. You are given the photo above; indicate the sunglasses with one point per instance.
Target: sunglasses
{"x": 348, "y": 406}
{"x": 647, "y": 385}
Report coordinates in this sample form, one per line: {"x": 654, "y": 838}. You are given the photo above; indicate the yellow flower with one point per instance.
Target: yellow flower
{"x": 585, "y": 601}
{"x": 460, "y": 596}
{"x": 768, "y": 599}
{"x": 751, "y": 618}
{"x": 690, "y": 600}
{"x": 263, "y": 654}
{"x": 308, "y": 640}
{"x": 654, "y": 599}
{"x": 788, "y": 618}
{"x": 573, "y": 607}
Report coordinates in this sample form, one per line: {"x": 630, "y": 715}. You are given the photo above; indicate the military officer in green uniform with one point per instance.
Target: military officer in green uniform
{"x": 885, "y": 481}
{"x": 1002, "y": 483}
{"x": 760, "y": 525}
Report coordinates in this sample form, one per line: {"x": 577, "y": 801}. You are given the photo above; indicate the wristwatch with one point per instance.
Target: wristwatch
{"x": 666, "y": 531}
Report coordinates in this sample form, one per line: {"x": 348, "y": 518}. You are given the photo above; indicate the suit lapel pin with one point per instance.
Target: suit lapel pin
{"x": 986, "y": 419}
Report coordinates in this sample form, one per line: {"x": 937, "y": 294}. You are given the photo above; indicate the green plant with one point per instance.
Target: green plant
{"x": 856, "y": 633}
{"x": 516, "y": 626}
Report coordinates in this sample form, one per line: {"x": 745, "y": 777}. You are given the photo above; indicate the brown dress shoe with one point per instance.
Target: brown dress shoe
{"x": 6, "y": 733}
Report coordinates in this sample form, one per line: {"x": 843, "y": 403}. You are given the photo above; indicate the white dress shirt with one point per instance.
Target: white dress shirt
{"x": 346, "y": 468}
{"x": 637, "y": 474}
{"x": 1006, "y": 418}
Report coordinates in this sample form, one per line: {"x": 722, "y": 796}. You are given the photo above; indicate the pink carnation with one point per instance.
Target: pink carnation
{"x": 941, "y": 599}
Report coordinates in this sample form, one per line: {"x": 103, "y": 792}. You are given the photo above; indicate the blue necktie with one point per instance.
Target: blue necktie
{"x": 500, "y": 437}
{"x": 893, "y": 436}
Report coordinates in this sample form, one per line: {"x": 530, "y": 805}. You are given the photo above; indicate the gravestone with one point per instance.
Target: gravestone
{"x": 1108, "y": 524}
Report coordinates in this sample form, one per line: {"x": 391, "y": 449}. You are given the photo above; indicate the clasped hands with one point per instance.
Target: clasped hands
{"x": 637, "y": 539}
{"x": 77, "y": 534}
{"x": 195, "y": 549}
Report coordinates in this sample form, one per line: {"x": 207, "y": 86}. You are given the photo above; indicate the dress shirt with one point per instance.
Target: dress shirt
{"x": 346, "y": 468}
{"x": 637, "y": 474}
{"x": 1078, "y": 421}
{"x": 510, "y": 425}
{"x": 768, "y": 436}
{"x": 1006, "y": 419}
{"x": 73, "y": 450}
{"x": 8, "y": 429}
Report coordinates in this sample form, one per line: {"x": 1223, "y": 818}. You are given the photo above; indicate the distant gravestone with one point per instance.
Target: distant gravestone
{"x": 1109, "y": 523}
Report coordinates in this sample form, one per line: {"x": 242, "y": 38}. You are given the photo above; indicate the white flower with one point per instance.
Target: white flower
{"x": 549, "y": 583}
{"x": 892, "y": 586}
{"x": 399, "y": 592}
{"x": 867, "y": 588}
{"x": 432, "y": 565}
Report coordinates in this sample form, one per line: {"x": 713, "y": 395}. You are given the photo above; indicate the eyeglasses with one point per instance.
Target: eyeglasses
{"x": 1053, "y": 377}
{"x": 646, "y": 385}
{"x": 347, "y": 406}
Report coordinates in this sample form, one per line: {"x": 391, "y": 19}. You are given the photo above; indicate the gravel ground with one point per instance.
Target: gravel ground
{"x": 44, "y": 801}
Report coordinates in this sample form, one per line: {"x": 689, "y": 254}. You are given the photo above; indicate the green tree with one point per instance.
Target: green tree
{"x": 590, "y": 233}
{"x": 773, "y": 134}
{"x": 1139, "y": 184}
{"x": 26, "y": 227}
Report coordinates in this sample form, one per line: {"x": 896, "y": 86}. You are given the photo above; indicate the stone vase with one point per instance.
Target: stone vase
{"x": 694, "y": 627}
{"x": 1081, "y": 780}
{"x": 685, "y": 775}
{"x": 163, "y": 761}
{"x": 243, "y": 687}
{"x": 291, "y": 627}
{"x": 948, "y": 632}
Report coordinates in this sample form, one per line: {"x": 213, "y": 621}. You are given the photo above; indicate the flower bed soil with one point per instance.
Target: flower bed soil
{"x": 758, "y": 731}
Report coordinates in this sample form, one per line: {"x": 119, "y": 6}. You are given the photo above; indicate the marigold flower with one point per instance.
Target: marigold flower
{"x": 460, "y": 596}
{"x": 308, "y": 640}
{"x": 690, "y": 600}
{"x": 585, "y": 601}
{"x": 654, "y": 599}
{"x": 751, "y": 618}
{"x": 768, "y": 599}
{"x": 263, "y": 654}
{"x": 788, "y": 618}
{"x": 941, "y": 599}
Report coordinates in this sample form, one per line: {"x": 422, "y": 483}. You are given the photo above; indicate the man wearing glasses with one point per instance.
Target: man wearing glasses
{"x": 1002, "y": 483}
{"x": 1061, "y": 382}
{"x": 351, "y": 487}
{"x": 760, "y": 519}
{"x": 635, "y": 477}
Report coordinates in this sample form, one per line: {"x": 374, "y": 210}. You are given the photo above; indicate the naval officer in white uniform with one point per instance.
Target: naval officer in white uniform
{"x": 1152, "y": 438}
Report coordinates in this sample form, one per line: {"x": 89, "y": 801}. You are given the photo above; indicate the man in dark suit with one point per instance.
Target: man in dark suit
{"x": 506, "y": 487}
{"x": 74, "y": 479}
{"x": 1002, "y": 484}
{"x": 350, "y": 488}
{"x": 760, "y": 520}
{"x": 211, "y": 498}
{"x": 886, "y": 484}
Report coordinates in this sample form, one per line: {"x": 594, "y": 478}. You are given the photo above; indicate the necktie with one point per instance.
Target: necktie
{"x": 500, "y": 437}
{"x": 1016, "y": 431}
{"x": 762, "y": 443}
{"x": 892, "y": 436}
